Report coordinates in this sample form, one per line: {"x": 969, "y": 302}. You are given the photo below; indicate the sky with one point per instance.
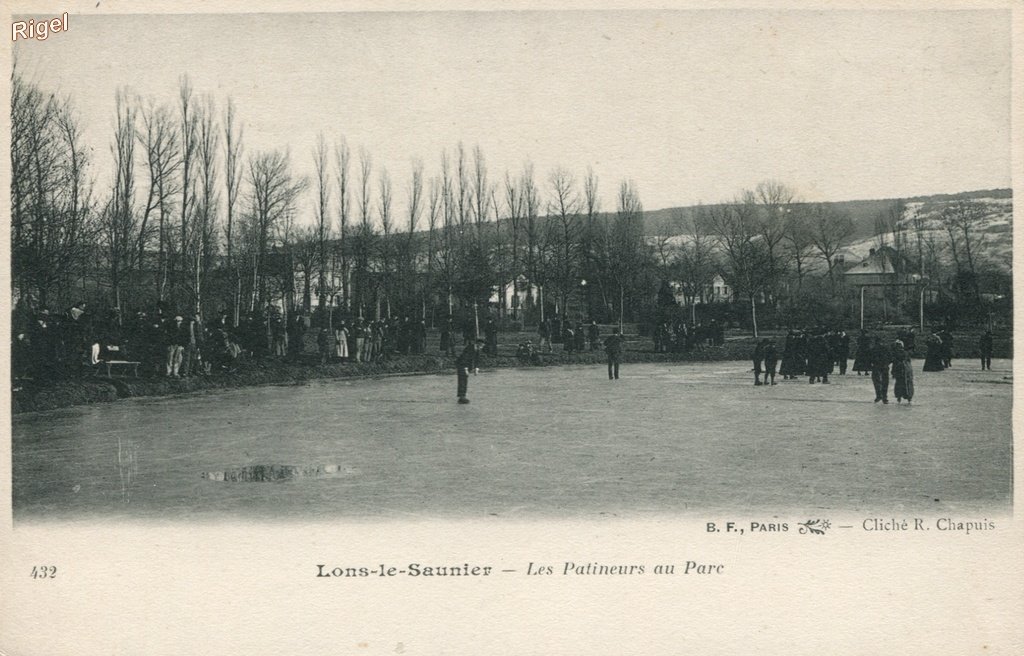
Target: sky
{"x": 693, "y": 106}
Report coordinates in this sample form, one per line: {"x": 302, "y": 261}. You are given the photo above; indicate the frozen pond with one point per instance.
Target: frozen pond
{"x": 553, "y": 442}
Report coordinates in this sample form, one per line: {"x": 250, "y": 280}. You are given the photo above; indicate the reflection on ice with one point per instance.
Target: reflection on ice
{"x": 263, "y": 473}
{"x": 127, "y": 465}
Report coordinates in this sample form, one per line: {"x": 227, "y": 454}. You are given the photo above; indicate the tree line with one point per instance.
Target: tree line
{"x": 193, "y": 221}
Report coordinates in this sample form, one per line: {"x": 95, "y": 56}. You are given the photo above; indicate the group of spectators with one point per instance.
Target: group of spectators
{"x": 680, "y": 337}
{"x": 55, "y": 345}
{"x": 574, "y": 337}
{"x": 818, "y": 353}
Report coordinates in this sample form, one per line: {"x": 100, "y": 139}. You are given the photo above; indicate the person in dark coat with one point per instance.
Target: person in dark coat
{"x": 947, "y": 348}
{"x": 447, "y": 329}
{"x": 800, "y": 350}
{"x": 556, "y": 330}
{"x": 491, "y": 334}
{"x": 581, "y": 337}
{"x": 902, "y": 373}
{"x": 323, "y": 345}
{"x": 908, "y": 338}
{"x": 842, "y": 352}
{"x": 613, "y": 349}
{"x": 770, "y": 359}
{"x": 879, "y": 358}
{"x": 568, "y": 338}
{"x": 712, "y": 333}
{"x": 819, "y": 359}
{"x": 933, "y": 354}
{"x": 544, "y": 335}
{"x": 758, "y": 357}
{"x": 421, "y": 337}
{"x": 469, "y": 332}
{"x": 468, "y": 360}
{"x": 788, "y": 367}
{"x": 985, "y": 349}
{"x": 861, "y": 361}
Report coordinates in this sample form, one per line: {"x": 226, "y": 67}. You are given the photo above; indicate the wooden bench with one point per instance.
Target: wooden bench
{"x": 113, "y": 366}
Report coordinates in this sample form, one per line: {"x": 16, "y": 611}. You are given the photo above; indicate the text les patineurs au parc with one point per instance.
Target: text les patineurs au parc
{"x": 563, "y": 568}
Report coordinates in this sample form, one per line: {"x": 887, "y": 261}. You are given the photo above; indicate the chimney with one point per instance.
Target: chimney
{"x": 871, "y": 252}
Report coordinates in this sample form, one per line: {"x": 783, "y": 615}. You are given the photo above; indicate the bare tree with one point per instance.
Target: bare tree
{"x": 434, "y": 210}
{"x": 962, "y": 220}
{"x": 514, "y": 206}
{"x": 564, "y": 209}
{"x": 736, "y": 231}
{"x": 159, "y": 138}
{"x": 799, "y": 242}
{"x": 409, "y": 256}
{"x": 387, "y": 241}
{"x": 363, "y": 242}
{"x": 830, "y": 232}
{"x": 188, "y": 133}
{"x": 208, "y": 201}
{"x": 462, "y": 185}
{"x": 776, "y": 201}
{"x": 120, "y": 221}
{"x": 535, "y": 238}
{"x": 273, "y": 192}
{"x": 481, "y": 191}
{"x": 628, "y": 250}
{"x": 447, "y": 245}
{"x": 343, "y": 156}
{"x": 323, "y": 226}
{"x": 51, "y": 197}
{"x": 232, "y": 178}
{"x": 696, "y": 263}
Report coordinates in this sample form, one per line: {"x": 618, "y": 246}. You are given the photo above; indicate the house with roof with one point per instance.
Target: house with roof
{"x": 879, "y": 268}
{"x": 883, "y": 268}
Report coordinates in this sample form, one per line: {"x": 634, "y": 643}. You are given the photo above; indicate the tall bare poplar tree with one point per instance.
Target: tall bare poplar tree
{"x": 342, "y": 158}
{"x": 232, "y": 178}
{"x": 323, "y": 226}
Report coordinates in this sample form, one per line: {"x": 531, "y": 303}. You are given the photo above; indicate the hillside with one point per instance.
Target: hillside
{"x": 862, "y": 212}
{"x": 995, "y": 230}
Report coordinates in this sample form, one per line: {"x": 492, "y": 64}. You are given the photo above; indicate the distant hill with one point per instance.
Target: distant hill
{"x": 995, "y": 230}
{"x": 862, "y": 212}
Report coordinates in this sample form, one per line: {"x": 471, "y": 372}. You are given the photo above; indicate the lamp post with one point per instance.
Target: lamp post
{"x": 922, "y": 283}
{"x": 862, "y": 307}
{"x": 583, "y": 295}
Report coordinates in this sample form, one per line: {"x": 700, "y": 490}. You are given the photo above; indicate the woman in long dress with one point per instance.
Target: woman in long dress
{"x": 902, "y": 373}
{"x": 788, "y": 367}
{"x": 341, "y": 341}
{"x": 933, "y": 355}
{"x": 861, "y": 363}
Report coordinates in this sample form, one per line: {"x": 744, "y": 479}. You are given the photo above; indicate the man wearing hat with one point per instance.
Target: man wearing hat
{"x": 467, "y": 360}
{"x": 613, "y": 349}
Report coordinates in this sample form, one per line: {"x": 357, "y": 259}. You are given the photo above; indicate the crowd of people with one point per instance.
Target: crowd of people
{"x": 819, "y": 353}
{"x": 180, "y": 345}
{"x": 680, "y": 337}
{"x": 47, "y": 345}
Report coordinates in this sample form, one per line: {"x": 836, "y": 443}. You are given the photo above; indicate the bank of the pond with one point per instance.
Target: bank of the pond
{"x": 28, "y": 397}
{"x": 31, "y": 397}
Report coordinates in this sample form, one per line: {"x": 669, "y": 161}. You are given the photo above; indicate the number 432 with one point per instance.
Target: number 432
{"x": 44, "y": 572}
